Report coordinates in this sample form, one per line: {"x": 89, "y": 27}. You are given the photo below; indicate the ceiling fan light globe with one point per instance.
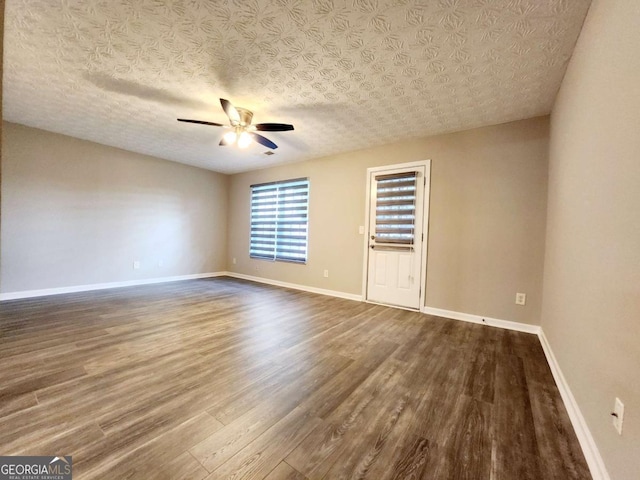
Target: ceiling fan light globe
{"x": 230, "y": 137}
{"x": 244, "y": 140}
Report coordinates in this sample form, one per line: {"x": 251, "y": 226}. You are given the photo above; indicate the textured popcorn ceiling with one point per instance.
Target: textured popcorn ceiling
{"x": 347, "y": 75}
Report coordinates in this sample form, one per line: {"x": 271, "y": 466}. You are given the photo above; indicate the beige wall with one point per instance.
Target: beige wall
{"x": 591, "y": 307}
{"x": 77, "y": 213}
{"x": 487, "y": 218}
{"x": 1, "y": 74}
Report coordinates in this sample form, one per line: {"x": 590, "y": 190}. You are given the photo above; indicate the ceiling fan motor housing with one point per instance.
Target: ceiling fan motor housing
{"x": 245, "y": 116}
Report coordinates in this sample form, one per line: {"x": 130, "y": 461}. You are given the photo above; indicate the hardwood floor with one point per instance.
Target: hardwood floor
{"x": 221, "y": 378}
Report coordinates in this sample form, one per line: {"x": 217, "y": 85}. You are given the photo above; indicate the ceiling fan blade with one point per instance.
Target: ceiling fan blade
{"x": 202, "y": 122}
{"x": 231, "y": 111}
{"x": 263, "y": 140}
{"x": 273, "y": 127}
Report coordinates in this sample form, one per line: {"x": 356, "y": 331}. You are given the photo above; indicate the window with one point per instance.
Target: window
{"x": 396, "y": 208}
{"x": 279, "y": 220}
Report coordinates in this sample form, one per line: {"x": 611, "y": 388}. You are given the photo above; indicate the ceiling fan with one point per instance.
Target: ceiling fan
{"x": 243, "y": 133}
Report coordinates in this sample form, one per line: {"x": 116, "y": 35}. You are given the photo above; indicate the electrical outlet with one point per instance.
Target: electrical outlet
{"x": 361, "y": 230}
{"x": 326, "y": 274}
{"x": 160, "y": 263}
{"x": 521, "y": 298}
{"x": 136, "y": 265}
{"x": 234, "y": 260}
{"x": 618, "y": 415}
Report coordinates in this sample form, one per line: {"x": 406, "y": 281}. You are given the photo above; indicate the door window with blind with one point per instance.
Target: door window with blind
{"x": 396, "y": 208}
{"x": 279, "y": 220}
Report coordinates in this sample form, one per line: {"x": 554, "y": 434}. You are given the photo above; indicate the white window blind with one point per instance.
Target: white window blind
{"x": 279, "y": 220}
{"x": 396, "y": 208}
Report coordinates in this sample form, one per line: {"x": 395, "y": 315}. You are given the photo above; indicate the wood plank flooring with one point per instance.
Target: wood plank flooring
{"x": 226, "y": 379}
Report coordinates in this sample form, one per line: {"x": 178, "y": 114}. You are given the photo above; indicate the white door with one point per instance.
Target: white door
{"x": 396, "y": 209}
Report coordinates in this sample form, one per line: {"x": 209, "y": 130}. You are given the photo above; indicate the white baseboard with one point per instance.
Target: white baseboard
{"x": 103, "y": 286}
{"x": 588, "y": 444}
{"x": 295, "y": 286}
{"x": 493, "y": 322}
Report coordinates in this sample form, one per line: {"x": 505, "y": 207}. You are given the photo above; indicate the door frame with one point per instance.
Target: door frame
{"x": 425, "y": 227}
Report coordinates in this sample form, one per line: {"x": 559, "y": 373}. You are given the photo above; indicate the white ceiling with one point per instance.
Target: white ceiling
{"x": 346, "y": 74}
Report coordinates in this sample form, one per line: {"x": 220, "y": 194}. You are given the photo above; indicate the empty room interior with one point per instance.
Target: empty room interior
{"x": 288, "y": 239}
